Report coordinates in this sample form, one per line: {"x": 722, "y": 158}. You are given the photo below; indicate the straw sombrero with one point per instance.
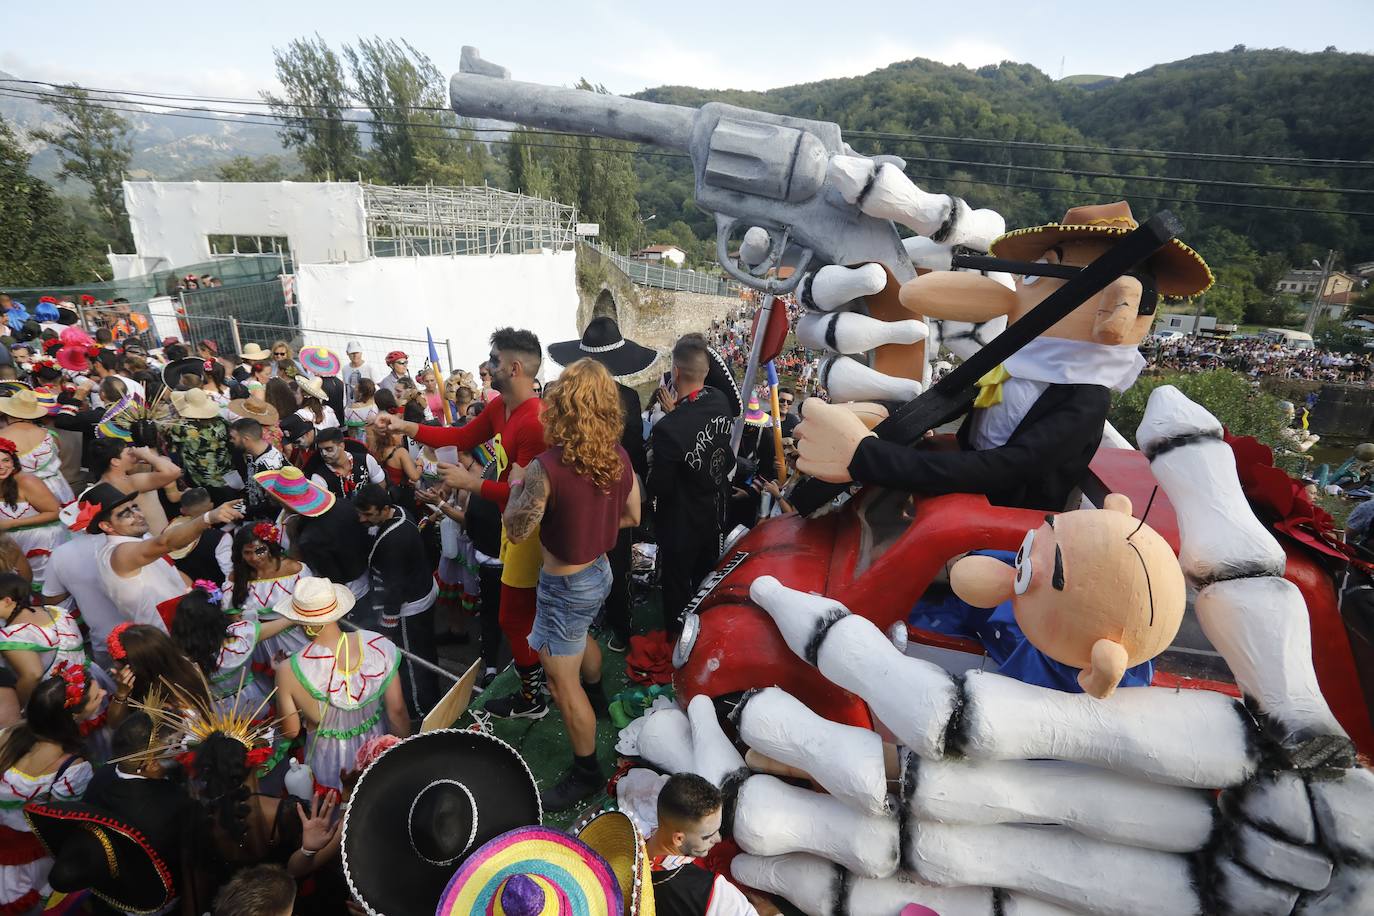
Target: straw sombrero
{"x": 23, "y": 405}
{"x": 616, "y": 838}
{"x": 315, "y": 602}
{"x": 603, "y": 342}
{"x": 253, "y": 409}
{"x": 1178, "y": 270}
{"x": 755, "y": 415}
{"x": 319, "y": 361}
{"x": 311, "y": 387}
{"x": 194, "y": 404}
{"x": 294, "y": 491}
{"x": 533, "y": 871}
{"x": 422, "y": 808}
{"x": 93, "y": 850}
{"x": 255, "y": 354}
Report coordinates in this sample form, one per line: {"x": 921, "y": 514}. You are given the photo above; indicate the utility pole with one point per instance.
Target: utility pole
{"x": 1197, "y": 316}
{"x": 1311, "y": 321}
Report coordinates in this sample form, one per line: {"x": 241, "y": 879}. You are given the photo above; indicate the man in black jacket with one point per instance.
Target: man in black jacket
{"x": 403, "y": 592}
{"x": 341, "y": 465}
{"x": 690, "y": 464}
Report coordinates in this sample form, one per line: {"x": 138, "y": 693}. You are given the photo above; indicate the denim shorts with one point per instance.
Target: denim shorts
{"x": 565, "y": 607}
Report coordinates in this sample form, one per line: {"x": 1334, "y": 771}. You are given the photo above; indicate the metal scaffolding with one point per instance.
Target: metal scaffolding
{"x": 407, "y": 221}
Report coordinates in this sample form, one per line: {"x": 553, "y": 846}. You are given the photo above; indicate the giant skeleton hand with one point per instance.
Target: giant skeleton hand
{"x": 1019, "y": 799}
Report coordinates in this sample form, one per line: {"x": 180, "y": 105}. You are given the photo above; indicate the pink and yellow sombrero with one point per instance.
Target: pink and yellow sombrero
{"x": 533, "y": 871}
{"x": 294, "y": 491}
{"x": 319, "y": 361}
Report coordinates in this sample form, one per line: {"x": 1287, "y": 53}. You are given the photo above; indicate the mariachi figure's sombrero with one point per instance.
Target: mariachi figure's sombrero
{"x": 1178, "y": 270}
{"x": 422, "y": 808}
{"x": 533, "y": 871}
{"x": 295, "y": 491}
{"x": 603, "y": 342}
{"x": 616, "y": 838}
{"x": 94, "y": 850}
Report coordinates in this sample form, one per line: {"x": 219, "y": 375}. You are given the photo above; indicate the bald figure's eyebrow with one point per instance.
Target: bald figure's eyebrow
{"x": 1058, "y": 579}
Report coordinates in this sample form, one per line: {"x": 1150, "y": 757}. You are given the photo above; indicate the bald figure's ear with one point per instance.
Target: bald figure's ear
{"x": 1117, "y": 502}
{"x": 957, "y": 296}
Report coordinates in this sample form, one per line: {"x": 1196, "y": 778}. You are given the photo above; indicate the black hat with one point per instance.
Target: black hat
{"x": 67, "y": 316}
{"x": 719, "y": 376}
{"x": 294, "y": 427}
{"x": 106, "y": 497}
{"x": 603, "y": 343}
{"x": 93, "y": 850}
{"x": 423, "y": 807}
{"x": 173, "y": 371}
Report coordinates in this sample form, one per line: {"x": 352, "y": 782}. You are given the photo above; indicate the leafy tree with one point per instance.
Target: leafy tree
{"x": 40, "y": 245}
{"x": 246, "y": 168}
{"x": 94, "y": 147}
{"x": 313, "y": 108}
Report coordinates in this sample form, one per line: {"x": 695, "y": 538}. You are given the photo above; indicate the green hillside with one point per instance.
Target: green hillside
{"x": 1270, "y": 103}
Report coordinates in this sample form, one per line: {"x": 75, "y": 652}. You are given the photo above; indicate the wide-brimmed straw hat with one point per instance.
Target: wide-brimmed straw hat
{"x": 93, "y": 850}
{"x": 533, "y": 871}
{"x": 614, "y": 835}
{"x": 23, "y": 405}
{"x": 311, "y": 387}
{"x": 253, "y": 409}
{"x": 319, "y": 361}
{"x": 254, "y": 353}
{"x": 755, "y": 415}
{"x": 295, "y": 491}
{"x": 194, "y": 404}
{"x": 1178, "y": 270}
{"x": 422, "y": 808}
{"x": 315, "y": 602}
{"x": 603, "y": 342}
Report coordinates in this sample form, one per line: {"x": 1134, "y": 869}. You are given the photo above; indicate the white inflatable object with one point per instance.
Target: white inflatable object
{"x": 1193, "y": 738}
{"x": 889, "y": 194}
{"x": 1057, "y": 865}
{"x": 1301, "y": 866}
{"x": 713, "y": 756}
{"x": 666, "y": 740}
{"x": 850, "y": 332}
{"x": 848, "y": 379}
{"x": 773, "y": 818}
{"x": 846, "y": 761}
{"x": 1093, "y": 801}
{"x": 834, "y": 286}
{"x": 753, "y": 249}
{"x": 1248, "y": 893}
{"x": 1278, "y": 803}
{"x": 1343, "y": 808}
{"x": 1220, "y": 538}
{"x": 1351, "y": 891}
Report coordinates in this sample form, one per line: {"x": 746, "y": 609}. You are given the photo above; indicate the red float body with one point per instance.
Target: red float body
{"x": 868, "y": 557}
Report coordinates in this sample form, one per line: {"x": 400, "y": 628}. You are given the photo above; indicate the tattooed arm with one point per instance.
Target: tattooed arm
{"x": 527, "y": 503}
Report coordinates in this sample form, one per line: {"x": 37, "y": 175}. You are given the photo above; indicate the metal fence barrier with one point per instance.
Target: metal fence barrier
{"x": 648, "y": 273}
{"x": 231, "y": 271}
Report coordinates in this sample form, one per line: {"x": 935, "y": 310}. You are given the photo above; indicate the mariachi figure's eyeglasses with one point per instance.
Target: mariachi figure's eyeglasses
{"x": 1149, "y": 294}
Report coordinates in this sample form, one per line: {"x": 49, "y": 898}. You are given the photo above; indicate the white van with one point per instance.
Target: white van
{"x": 1296, "y": 340}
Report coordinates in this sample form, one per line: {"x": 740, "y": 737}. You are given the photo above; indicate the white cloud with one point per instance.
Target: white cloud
{"x": 218, "y": 82}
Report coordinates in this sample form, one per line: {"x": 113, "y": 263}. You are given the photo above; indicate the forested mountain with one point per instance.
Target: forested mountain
{"x": 1270, "y": 104}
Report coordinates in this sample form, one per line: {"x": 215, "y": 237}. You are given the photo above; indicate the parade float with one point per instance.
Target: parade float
{"x": 870, "y": 763}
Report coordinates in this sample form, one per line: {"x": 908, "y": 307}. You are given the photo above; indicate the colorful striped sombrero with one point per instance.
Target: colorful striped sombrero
{"x": 295, "y": 492}
{"x": 319, "y": 361}
{"x": 533, "y": 871}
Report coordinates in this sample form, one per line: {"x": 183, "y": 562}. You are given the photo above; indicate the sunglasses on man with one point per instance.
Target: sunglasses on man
{"x": 1149, "y": 293}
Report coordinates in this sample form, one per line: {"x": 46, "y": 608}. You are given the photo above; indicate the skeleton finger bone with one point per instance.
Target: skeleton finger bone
{"x": 1243, "y": 892}
{"x": 1192, "y": 738}
{"x": 1260, "y": 626}
{"x": 850, "y": 380}
{"x": 1277, "y": 803}
{"x": 884, "y": 191}
{"x": 928, "y": 255}
{"x": 1094, "y": 802}
{"x": 1351, "y": 891}
{"x": 1301, "y": 866}
{"x": 713, "y": 756}
{"x": 753, "y": 248}
{"x": 846, "y": 761}
{"x": 1054, "y": 864}
{"x": 850, "y": 332}
{"x": 1219, "y": 535}
{"x": 1344, "y": 809}
{"x": 773, "y": 818}
{"x": 913, "y": 698}
{"x": 821, "y": 888}
{"x": 666, "y": 740}
{"x": 835, "y": 285}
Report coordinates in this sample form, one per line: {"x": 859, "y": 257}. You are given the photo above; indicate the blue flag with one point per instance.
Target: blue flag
{"x": 772, "y": 374}
{"x": 433, "y": 353}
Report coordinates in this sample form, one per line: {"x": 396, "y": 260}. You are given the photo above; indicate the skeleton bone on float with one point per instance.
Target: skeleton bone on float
{"x": 1255, "y": 619}
{"x": 849, "y": 332}
{"x": 850, "y": 380}
{"x": 713, "y": 756}
{"x": 882, "y": 191}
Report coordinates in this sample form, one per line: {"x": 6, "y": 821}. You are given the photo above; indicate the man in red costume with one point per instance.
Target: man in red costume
{"x": 512, "y": 423}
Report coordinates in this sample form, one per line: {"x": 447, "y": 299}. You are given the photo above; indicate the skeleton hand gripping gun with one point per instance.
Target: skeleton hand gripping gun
{"x": 752, "y": 168}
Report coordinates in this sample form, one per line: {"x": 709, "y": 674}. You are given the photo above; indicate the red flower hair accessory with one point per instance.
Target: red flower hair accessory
{"x": 85, "y": 512}
{"x": 115, "y": 644}
{"x": 8, "y": 446}
{"x": 93, "y": 351}
{"x": 75, "y": 676}
{"x": 87, "y": 300}
{"x": 266, "y": 531}
{"x": 52, "y": 299}
{"x": 52, "y": 345}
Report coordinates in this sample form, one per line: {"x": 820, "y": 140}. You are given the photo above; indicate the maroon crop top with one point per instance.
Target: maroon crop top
{"x": 581, "y": 521}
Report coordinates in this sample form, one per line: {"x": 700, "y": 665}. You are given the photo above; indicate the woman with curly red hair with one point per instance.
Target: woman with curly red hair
{"x": 580, "y": 493}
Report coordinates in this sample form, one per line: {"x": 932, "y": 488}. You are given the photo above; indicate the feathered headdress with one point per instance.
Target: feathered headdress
{"x": 183, "y": 721}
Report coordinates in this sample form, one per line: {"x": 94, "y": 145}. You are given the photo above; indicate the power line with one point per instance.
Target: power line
{"x": 1287, "y": 161}
{"x": 276, "y": 123}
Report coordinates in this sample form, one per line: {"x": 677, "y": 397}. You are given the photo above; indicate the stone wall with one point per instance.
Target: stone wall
{"x": 1343, "y": 414}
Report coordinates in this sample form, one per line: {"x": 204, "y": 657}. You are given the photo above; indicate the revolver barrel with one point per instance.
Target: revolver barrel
{"x": 572, "y": 110}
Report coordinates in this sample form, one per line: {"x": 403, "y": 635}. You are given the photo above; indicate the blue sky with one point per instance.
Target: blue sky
{"x": 226, "y": 49}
